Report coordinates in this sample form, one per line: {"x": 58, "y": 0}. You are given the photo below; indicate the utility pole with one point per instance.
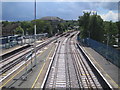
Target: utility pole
{"x": 89, "y": 38}
{"x": 107, "y": 44}
{"x": 35, "y": 34}
{"x": 107, "y": 47}
{"x": 119, "y": 24}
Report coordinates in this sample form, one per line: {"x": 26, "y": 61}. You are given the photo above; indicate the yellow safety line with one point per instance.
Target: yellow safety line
{"x": 38, "y": 76}
{"x": 28, "y": 63}
{"x": 85, "y": 74}
{"x": 4, "y": 74}
{"x": 103, "y": 70}
{"x": 20, "y": 70}
{"x": 41, "y": 70}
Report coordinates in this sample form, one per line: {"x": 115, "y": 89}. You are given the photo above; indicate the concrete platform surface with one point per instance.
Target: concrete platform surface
{"x": 109, "y": 70}
{"x": 4, "y": 51}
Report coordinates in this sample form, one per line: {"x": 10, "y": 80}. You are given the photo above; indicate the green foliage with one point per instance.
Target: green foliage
{"x": 28, "y": 27}
{"x": 41, "y": 27}
{"x": 19, "y": 31}
{"x": 118, "y": 36}
{"x": 110, "y": 31}
{"x": 84, "y": 22}
{"x": 93, "y": 26}
{"x": 61, "y": 27}
{"x": 5, "y": 23}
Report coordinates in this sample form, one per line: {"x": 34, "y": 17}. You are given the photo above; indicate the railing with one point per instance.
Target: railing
{"x": 10, "y": 41}
{"x": 108, "y": 52}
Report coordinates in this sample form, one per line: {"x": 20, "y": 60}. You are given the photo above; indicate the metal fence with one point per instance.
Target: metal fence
{"x": 108, "y": 52}
{"x": 11, "y": 41}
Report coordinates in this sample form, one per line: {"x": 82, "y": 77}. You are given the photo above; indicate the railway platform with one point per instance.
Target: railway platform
{"x": 5, "y": 51}
{"x": 62, "y": 62}
{"x": 110, "y": 71}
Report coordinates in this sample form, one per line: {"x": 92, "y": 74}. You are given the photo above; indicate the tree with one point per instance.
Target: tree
{"x": 111, "y": 31}
{"x": 28, "y": 27}
{"x": 96, "y": 27}
{"x": 61, "y": 27}
{"x": 91, "y": 26}
{"x": 43, "y": 26}
{"x": 19, "y": 30}
{"x": 48, "y": 29}
{"x": 83, "y": 23}
{"x": 118, "y": 35}
{"x": 5, "y": 23}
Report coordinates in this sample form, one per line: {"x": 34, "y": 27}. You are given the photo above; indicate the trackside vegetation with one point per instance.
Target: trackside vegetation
{"x": 94, "y": 27}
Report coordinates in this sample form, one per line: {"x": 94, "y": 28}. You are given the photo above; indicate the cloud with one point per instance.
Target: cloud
{"x": 61, "y": 0}
{"x": 105, "y": 5}
{"x": 65, "y": 10}
{"x": 110, "y": 16}
{"x": 85, "y": 0}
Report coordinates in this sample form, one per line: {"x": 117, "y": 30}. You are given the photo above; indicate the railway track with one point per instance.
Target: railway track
{"x": 13, "y": 60}
{"x": 73, "y": 81}
{"x": 7, "y": 64}
{"x": 85, "y": 75}
{"x": 59, "y": 76}
{"x": 16, "y": 52}
{"x": 57, "y": 68}
{"x": 71, "y": 70}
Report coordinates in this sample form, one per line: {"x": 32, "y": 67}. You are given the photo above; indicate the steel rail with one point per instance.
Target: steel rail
{"x": 11, "y": 64}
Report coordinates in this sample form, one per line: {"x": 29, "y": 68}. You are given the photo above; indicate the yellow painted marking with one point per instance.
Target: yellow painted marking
{"x": 19, "y": 71}
{"x": 85, "y": 74}
{"x": 4, "y": 74}
{"x": 38, "y": 76}
{"x": 12, "y": 77}
{"x": 41, "y": 70}
{"x": 103, "y": 70}
{"x": 45, "y": 48}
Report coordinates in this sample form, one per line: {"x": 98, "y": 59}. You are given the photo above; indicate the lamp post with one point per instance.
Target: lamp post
{"x": 107, "y": 47}
{"x": 89, "y": 37}
{"x": 35, "y": 33}
{"x": 107, "y": 44}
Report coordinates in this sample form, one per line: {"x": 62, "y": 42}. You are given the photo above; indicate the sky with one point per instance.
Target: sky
{"x": 70, "y": 10}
